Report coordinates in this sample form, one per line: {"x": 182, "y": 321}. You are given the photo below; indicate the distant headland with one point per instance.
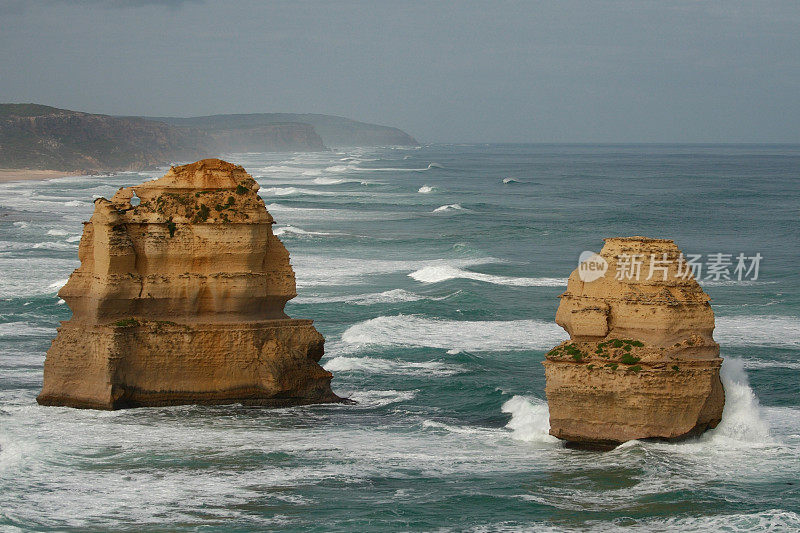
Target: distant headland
{"x": 43, "y": 138}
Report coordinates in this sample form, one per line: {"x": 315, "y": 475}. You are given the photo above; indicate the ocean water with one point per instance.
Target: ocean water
{"x": 433, "y": 274}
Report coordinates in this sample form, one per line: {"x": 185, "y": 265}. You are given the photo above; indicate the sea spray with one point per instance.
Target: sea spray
{"x": 530, "y": 419}
{"x": 742, "y": 419}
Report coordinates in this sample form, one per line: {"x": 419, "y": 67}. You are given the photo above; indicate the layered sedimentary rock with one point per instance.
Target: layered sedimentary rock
{"x": 641, "y": 361}
{"x": 180, "y": 299}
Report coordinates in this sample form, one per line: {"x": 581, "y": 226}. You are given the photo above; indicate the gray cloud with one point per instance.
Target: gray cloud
{"x": 468, "y": 71}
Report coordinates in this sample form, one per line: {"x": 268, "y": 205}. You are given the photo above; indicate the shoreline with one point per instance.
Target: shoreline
{"x": 24, "y": 174}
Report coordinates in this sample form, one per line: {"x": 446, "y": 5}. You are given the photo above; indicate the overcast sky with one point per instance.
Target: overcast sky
{"x": 559, "y": 71}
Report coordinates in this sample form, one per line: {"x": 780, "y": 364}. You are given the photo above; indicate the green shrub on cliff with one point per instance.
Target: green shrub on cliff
{"x": 628, "y": 359}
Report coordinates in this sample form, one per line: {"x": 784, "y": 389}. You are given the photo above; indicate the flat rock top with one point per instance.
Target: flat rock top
{"x": 203, "y": 174}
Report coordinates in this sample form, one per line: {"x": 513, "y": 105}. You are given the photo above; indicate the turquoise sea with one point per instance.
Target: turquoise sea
{"x": 434, "y": 274}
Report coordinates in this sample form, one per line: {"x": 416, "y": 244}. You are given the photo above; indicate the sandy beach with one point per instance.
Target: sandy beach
{"x": 22, "y": 174}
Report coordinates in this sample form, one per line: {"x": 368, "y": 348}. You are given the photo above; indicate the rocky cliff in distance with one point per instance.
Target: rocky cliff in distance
{"x": 335, "y": 131}
{"x": 45, "y": 138}
{"x": 278, "y": 137}
{"x": 180, "y": 299}
{"x": 641, "y": 361}
{"x": 40, "y": 137}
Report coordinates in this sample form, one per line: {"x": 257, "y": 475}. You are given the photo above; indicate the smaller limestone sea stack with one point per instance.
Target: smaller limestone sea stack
{"x": 641, "y": 361}
{"x": 180, "y": 299}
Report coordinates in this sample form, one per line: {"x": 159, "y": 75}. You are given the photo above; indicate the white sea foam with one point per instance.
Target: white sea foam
{"x": 372, "y": 365}
{"x": 510, "y": 180}
{"x": 742, "y": 419}
{"x": 379, "y": 398}
{"x": 465, "y": 335}
{"x": 449, "y": 208}
{"x": 425, "y": 189}
{"x": 11, "y": 454}
{"x": 530, "y": 419}
{"x": 341, "y": 168}
{"x": 56, "y": 285}
{"x": 390, "y": 296}
{"x": 302, "y": 215}
{"x": 315, "y": 270}
{"x": 435, "y": 165}
{"x": 21, "y": 224}
{"x": 337, "y": 181}
{"x": 57, "y": 232}
{"x": 292, "y": 230}
{"x": 24, "y": 329}
{"x": 768, "y": 520}
{"x": 759, "y": 363}
{"x": 75, "y": 238}
{"x": 439, "y": 273}
{"x": 783, "y": 331}
{"x": 18, "y": 282}
{"x": 291, "y": 191}
{"x": 53, "y": 246}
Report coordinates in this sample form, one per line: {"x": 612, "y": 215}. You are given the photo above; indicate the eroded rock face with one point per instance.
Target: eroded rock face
{"x": 641, "y": 361}
{"x": 180, "y": 299}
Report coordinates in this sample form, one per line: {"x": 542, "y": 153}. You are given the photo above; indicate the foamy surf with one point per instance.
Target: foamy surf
{"x": 372, "y": 365}
{"x": 385, "y": 297}
{"x": 292, "y": 191}
{"x": 530, "y": 419}
{"x": 449, "y": 208}
{"x": 313, "y": 270}
{"x": 337, "y": 181}
{"x": 380, "y": 398}
{"x": 286, "y": 231}
{"x": 426, "y": 189}
{"x": 742, "y": 419}
{"x": 439, "y": 273}
{"x": 779, "y": 331}
{"x": 464, "y": 335}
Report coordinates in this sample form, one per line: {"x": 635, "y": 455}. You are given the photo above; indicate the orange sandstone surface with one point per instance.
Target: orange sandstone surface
{"x": 641, "y": 361}
{"x": 180, "y": 299}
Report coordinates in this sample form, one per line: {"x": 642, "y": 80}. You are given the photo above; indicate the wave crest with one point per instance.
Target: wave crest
{"x": 439, "y": 273}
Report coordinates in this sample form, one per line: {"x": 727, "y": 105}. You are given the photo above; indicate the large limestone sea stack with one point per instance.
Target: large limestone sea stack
{"x": 180, "y": 299}
{"x": 641, "y": 361}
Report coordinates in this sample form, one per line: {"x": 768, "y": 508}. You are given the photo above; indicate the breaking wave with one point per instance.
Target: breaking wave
{"x": 379, "y": 398}
{"x": 449, "y": 208}
{"x": 336, "y": 181}
{"x": 292, "y": 230}
{"x": 289, "y": 191}
{"x": 466, "y": 335}
{"x": 530, "y": 419}
{"x": 372, "y": 365}
{"x": 439, "y": 273}
{"x": 783, "y": 331}
{"x": 390, "y": 296}
{"x": 742, "y": 419}
{"x": 315, "y": 270}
